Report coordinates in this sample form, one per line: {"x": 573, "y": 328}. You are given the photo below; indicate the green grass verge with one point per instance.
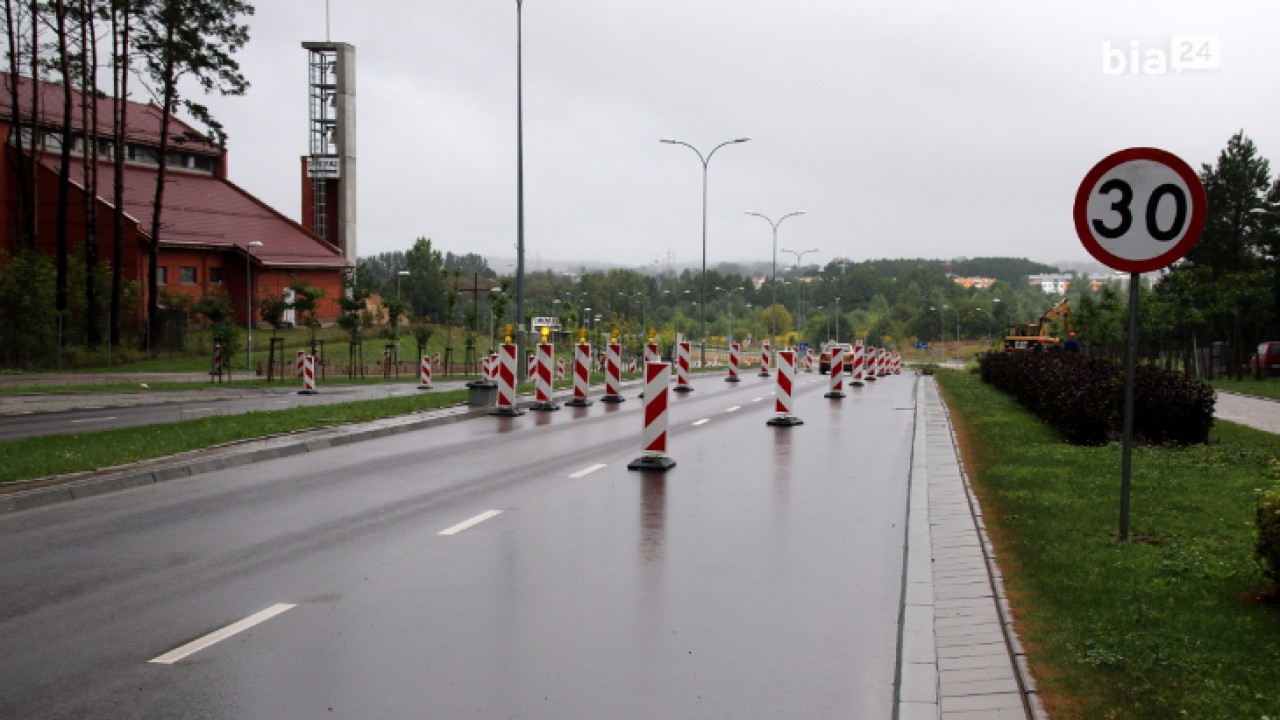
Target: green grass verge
{"x": 1166, "y": 627}
{"x": 56, "y": 454}
{"x": 1268, "y": 388}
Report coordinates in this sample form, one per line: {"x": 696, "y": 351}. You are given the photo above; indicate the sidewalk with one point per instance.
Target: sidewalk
{"x": 960, "y": 658}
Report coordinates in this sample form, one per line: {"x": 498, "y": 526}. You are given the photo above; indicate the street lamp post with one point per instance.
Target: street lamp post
{"x": 942, "y": 333}
{"x": 799, "y": 311}
{"x": 519, "y": 190}
{"x": 703, "y": 292}
{"x": 399, "y": 274}
{"x": 837, "y": 320}
{"x": 774, "y": 285}
{"x": 988, "y": 312}
{"x": 248, "y": 312}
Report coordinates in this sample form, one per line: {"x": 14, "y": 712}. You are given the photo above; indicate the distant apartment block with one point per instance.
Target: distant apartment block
{"x": 1059, "y": 283}
{"x": 969, "y": 283}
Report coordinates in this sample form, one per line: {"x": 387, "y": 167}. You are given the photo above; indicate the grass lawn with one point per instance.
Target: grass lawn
{"x": 55, "y": 454}
{"x": 1170, "y": 626}
{"x": 1268, "y": 388}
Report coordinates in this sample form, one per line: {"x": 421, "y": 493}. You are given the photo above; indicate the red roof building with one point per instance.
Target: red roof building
{"x": 207, "y": 221}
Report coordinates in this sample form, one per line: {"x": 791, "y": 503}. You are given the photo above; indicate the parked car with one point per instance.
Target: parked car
{"x": 1267, "y": 360}
{"x": 824, "y": 360}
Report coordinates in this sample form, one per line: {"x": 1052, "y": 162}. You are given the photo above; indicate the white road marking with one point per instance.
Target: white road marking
{"x": 217, "y": 636}
{"x": 587, "y": 471}
{"x": 282, "y": 402}
{"x": 735, "y": 407}
{"x": 703, "y": 421}
{"x": 468, "y": 523}
{"x": 756, "y": 399}
{"x": 92, "y": 407}
{"x": 101, "y": 419}
{"x": 196, "y": 410}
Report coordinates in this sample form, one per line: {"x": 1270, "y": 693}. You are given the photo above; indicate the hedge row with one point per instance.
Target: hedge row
{"x": 1084, "y": 397}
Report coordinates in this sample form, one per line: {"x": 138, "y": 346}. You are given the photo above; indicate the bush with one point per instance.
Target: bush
{"x": 1266, "y": 547}
{"x": 1083, "y": 398}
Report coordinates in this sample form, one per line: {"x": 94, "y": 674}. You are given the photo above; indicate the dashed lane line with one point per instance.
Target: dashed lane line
{"x": 586, "y": 471}
{"x": 218, "y": 636}
{"x": 470, "y": 523}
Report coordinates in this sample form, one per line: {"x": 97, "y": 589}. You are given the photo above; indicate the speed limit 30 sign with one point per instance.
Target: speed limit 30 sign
{"x": 1139, "y": 210}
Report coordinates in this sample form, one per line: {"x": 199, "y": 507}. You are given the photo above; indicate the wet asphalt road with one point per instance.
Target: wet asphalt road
{"x": 760, "y": 578}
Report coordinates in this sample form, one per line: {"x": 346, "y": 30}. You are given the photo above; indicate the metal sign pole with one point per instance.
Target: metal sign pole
{"x": 1130, "y": 369}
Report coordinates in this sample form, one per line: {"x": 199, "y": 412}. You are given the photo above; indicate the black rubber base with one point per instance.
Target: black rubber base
{"x": 657, "y": 463}
{"x": 578, "y": 402}
{"x": 507, "y": 411}
{"x": 855, "y": 383}
{"x": 734, "y": 378}
{"x": 682, "y": 388}
{"x": 763, "y": 374}
{"x": 425, "y": 387}
{"x": 611, "y": 399}
{"x": 784, "y": 421}
{"x": 544, "y": 406}
{"x": 308, "y": 392}
{"x": 835, "y": 395}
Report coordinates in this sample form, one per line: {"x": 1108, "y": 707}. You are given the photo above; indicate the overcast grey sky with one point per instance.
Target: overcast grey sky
{"x": 904, "y": 129}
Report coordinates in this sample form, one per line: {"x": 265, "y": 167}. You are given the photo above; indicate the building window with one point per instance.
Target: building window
{"x": 162, "y": 276}
{"x": 143, "y": 154}
{"x": 215, "y": 276}
{"x": 203, "y": 163}
{"x": 187, "y": 275}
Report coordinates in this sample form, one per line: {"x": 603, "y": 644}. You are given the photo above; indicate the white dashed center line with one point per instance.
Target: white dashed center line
{"x": 732, "y": 409}
{"x": 703, "y": 421}
{"x": 469, "y": 523}
{"x": 217, "y": 636}
{"x": 587, "y": 471}
{"x": 89, "y": 420}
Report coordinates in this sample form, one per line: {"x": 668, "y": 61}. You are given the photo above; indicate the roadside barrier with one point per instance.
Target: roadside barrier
{"x": 543, "y": 401}
{"x": 782, "y": 405}
{"x": 653, "y": 439}
{"x": 560, "y": 369}
{"x": 425, "y": 372}
{"x": 297, "y": 370}
{"x": 581, "y": 375}
{"x": 506, "y": 377}
{"x": 651, "y": 354}
{"x": 858, "y": 364}
{"x": 735, "y": 350}
{"x": 217, "y": 361}
{"x": 309, "y": 376}
{"x": 682, "y": 368}
{"x": 808, "y": 360}
{"x": 871, "y": 363}
{"x": 613, "y": 374}
{"x": 764, "y": 359}
{"x": 837, "y": 374}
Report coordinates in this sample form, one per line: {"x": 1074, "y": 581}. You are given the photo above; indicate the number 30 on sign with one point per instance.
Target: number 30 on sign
{"x": 1139, "y": 210}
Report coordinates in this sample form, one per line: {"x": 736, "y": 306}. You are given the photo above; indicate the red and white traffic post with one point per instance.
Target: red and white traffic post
{"x": 425, "y": 374}
{"x": 837, "y": 374}
{"x": 581, "y": 372}
{"x": 297, "y": 368}
{"x": 764, "y": 359}
{"x": 651, "y": 354}
{"x": 217, "y": 362}
{"x": 682, "y": 368}
{"x": 858, "y": 364}
{"x": 309, "y": 376}
{"x": 559, "y": 368}
{"x": 613, "y": 371}
{"x": 653, "y": 439}
{"x": 506, "y": 377}
{"x": 735, "y": 357}
{"x": 808, "y": 359}
{"x": 783, "y": 400}
{"x": 542, "y": 387}
{"x": 870, "y": 363}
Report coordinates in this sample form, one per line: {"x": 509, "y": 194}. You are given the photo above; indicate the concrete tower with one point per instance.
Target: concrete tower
{"x": 329, "y": 170}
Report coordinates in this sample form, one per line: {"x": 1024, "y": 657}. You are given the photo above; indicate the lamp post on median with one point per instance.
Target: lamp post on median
{"x": 703, "y": 293}
{"x": 799, "y": 310}
{"x": 837, "y": 320}
{"x": 248, "y": 312}
{"x": 399, "y": 274}
{"x": 774, "y": 225}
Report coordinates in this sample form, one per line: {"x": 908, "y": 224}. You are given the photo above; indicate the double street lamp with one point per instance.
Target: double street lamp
{"x": 774, "y": 225}
{"x": 705, "y": 162}
{"x": 799, "y": 311}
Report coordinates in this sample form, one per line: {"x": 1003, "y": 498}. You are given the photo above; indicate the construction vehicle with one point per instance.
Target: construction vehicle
{"x": 1035, "y": 336}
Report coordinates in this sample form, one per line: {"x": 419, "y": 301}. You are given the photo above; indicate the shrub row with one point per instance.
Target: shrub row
{"x": 1083, "y": 398}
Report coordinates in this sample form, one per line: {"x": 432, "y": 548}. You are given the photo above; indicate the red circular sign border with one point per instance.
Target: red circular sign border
{"x": 1199, "y": 208}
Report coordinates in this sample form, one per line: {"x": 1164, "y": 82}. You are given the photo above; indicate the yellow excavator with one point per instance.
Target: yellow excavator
{"x": 1035, "y": 336}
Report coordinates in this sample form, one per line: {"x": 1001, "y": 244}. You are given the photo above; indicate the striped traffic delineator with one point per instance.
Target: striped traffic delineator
{"x": 532, "y": 367}
{"x": 782, "y": 416}
{"x": 613, "y": 375}
{"x": 581, "y": 375}
{"x": 560, "y": 368}
{"x": 735, "y": 352}
{"x": 808, "y": 359}
{"x": 880, "y": 362}
{"x": 653, "y": 440}
{"x": 506, "y": 377}
{"x": 297, "y": 368}
{"x": 897, "y": 363}
{"x": 837, "y": 374}
{"x": 425, "y": 374}
{"x": 871, "y": 363}
{"x": 309, "y": 376}
{"x": 651, "y": 354}
{"x": 858, "y": 364}
{"x": 542, "y": 387}
{"x": 682, "y": 368}
{"x": 764, "y": 359}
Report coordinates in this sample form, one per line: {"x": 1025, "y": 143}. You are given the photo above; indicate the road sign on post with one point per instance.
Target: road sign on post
{"x": 1136, "y": 211}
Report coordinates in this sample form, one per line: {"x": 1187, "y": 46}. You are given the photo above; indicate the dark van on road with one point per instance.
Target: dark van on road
{"x": 1267, "y": 361}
